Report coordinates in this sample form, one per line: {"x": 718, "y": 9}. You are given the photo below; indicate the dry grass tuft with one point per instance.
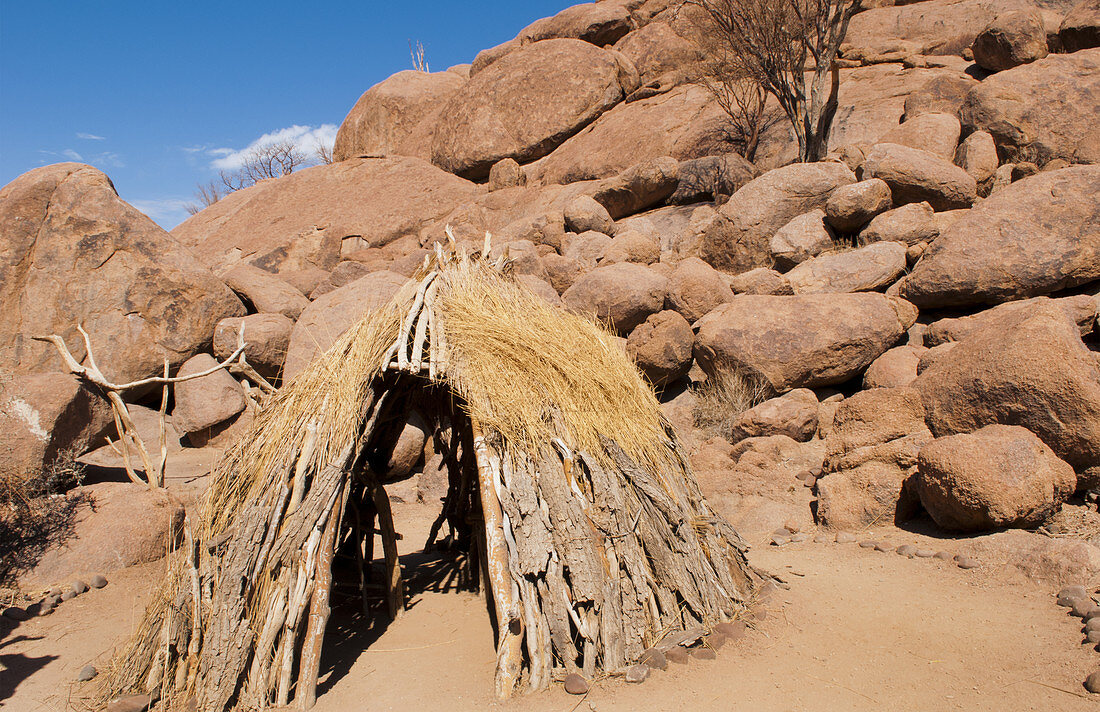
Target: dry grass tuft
{"x": 726, "y": 395}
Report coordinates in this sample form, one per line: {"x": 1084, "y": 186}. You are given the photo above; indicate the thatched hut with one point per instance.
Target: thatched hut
{"x": 567, "y": 491}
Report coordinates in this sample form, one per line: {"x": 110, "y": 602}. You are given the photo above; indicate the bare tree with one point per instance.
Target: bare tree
{"x": 272, "y": 160}
{"x": 206, "y": 194}
{"x": 774, "y": 43}
{"x": 324, "y": 154}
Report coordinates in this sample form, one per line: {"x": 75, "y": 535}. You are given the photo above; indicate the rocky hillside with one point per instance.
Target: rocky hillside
{"x": 912, "y": 320}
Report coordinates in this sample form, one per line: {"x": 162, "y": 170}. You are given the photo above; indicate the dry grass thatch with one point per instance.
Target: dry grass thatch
{"x": 567, "y": 491}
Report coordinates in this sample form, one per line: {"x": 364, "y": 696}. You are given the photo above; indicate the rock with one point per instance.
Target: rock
{"x": 69, "y": 595}
{"x": 305, "y": 221}
{"x": 924, "y": 553}
{"x": 965, "y": 562}
{"x": 326, "y": 319}
{"x": 703, "y": 654}
{"x": 802, "y": 238}
{"x": 863, "y": 269}
{"x": 801, "y": 341}
{"x": 584, "y": 214}
{"x": 907, "y": 550}
{"x": 541, "y": 288}
{"x": 936, "y": 133}
{"x": 1070, "y": 592}
{"x": 408, "y": 449}
{"x": 88, "y": 672}
{"x": 506, "y": 173}
{"x": 678, "y": 655}
{"x": 204, "y": 402}
{"x": 909, "y": 224}
{"x": 916, "y": 176}
{"x": 943, "y": 556}
{"x": 884, "y": 547}
{"x": 348, "y": 271}
{"x": 130, "y": 703}
{"x": 977, "y": 155}
{"x": 761, "y": 281}
{"x": 852, "y": 206}
{"x": 1036, "y": 236}
{"x": 695, "y": 288}
{"x": 397, "y": 116}
{"x": 575, "y": 684}
{"x": 997, "y": 476}
{"x": 738, "y": 240}
{"x": 639, "y": 187}
{"x": 44, "y": 416}
{"x": 1081, "y": 28}
{"x": 1080, "y": 308}
{"x": 598, "y": 23}
{"x": 895, "y": 368}
{"x": 1092, "y": 682}
{"x": 656, "y": 51}
{"x": 631, "y": 246}
{"x": 1025, "y": 367}
{"x": 623, "y": 294}
{"x": 845, "y": 538}
{"x": 942, "y": 94}
{"x": 489, "y": 118}
{"x": 117, "y": 524}
{"x": 98, "y": 581}
{"x": 637, "y": 673}
{"x": 733, "y": 630}
{"x": 1084, "y": 608}
{"x": 1012, "y": 39}
{"x": 870, "y": 459}
{"x": 868, "y": 544}
{"x": 793, "y": 414}
{"x": 586, "y": 248}
{"x": 711, "y": 178}
{"x": 265, "y": 291}
{"x": 653, "y": 658}
{"x": 1040, "y": 111}
{"x": 78, "y": 586}
{"x": 661, "y": 346}
{"x": 562, "y": 272}
{"x": 74, "y": 253}
{"x": 266, "y": 338}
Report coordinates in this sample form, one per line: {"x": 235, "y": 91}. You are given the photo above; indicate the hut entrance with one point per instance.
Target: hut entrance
{"x": 569, "y": 499}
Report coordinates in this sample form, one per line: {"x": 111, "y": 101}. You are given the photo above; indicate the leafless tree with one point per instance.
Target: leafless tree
{"x": 774, "y": 43}
{"x": 324, "y": 154}
{"x": 206, "y": 194}
{"x": 272, "y": 160}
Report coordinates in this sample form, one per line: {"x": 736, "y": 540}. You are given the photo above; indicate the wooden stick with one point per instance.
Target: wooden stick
{"x": 162, "y": 429}
{"x": 395, "y": 585}
{"x": 259, "y": 675}
{"x": 194, "y": 644}
{"x": 309, "y": 443}
{"x": 421, "y": 332}
{"x": 410, "y": 321}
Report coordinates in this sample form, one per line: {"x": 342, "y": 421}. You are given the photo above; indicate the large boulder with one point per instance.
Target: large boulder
{"x": 1081, "y": 27}
{"x": 639, "y": 187}
{"x": 568, "y": 82}
{"x": 852, "y": 206}
{"x": 912, "y": 223}
{"x": 793, "y": 414}
{"x": 656, "y": 50}
{"x": 330, "y": 315}
{"x": 1012, "y": 39}
{"x": 661, "y": 346}
{"x": 863, "y": 269}
{"x": 977, "y": 155}
{"x": 997, "y": 476}
{"x": 1024, "y": 367}
{"x": 804, "y": 237}
{"x": 916, "y": 176}
{"x": 738, "y": 240}
{"x": 74, "y": 253}
{"x": 937, "y": 133}
{"x": 711, "y": 178}
{"x": 266, "y": 338}
{"x": 303, "y": 220}
{"x": 1079, "y": 308}
{"x": 897, "y": 368}
{"x": 801, "y": 341}
{"x": 695, "y": 288}
{"x": 622, "y": 294}
{"x": 265, "y": 291}
{"x": 601, "y": 23}
{"x": 44, "y": 415}
{"x": 1041, "y": 111}
{"x": 397, "y": 116}
{"x": 209, "y": 400}
{"x": 1036, "y": 236}
{"x": 870, "y": 459}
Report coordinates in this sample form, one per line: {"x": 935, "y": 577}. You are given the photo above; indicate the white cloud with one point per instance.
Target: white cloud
{"x": 72, "y": 155}
{"x": 90, "y": 137}
{"x": 307, "y": 138}
{"x": 168, "y": 212}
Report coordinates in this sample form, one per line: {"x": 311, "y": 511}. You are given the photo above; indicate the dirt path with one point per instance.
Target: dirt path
{"x": 857, "y": 630}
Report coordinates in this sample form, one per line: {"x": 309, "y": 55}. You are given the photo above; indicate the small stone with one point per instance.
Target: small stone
{"x": 944, "y": 556}
{"x": 1092, "y": 637}
{"x": 924, "y": 553}
{"x": 767, "y": 590}
{"x": 1068, "y": 601}
{"x": 46, "y": 607}
{"x": 637, "y": 673}
{"x": 805, "y": 475}
{"x": 714, "y": 641}
{"x": 734, "y": 630}
{"x": 68, "y": 595}
{"x": 79, "y": 586}
{"x": 1092, "y": 682}
{"x": 780, "y": 539}
{"x": 884, "y": 547}
{"x": 845, "y": 537}
{"x": 1077, "y": 591}
{"x": 653, "y": 658}
{"x": 906, "y": 550}
{"x": 703, "y": 654}
{"x": 810, "y": 481}
{"x": 86, "y": 673}
{"x": 575, "y": 684}
{"x": 677, "y": 655}
{"x": 55, "y": 591}
{"x": 800, "y": 537}
{"x": 822, "y": 539}
{"x": 868, "y": 544}
{"x": 130, "y": 703}
{"x": 965, "y": 562}
{"x": 1091, "y": 613}
{"x": 1092, "y": 624}
{"x": 792, "y": 526}
{"x": 1084, "y": 608}
{"x": 98, "y": 581}
{"x": 16, "y": 614}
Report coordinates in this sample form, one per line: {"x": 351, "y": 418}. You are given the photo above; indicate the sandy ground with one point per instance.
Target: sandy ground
{"x": 856, "y": 630}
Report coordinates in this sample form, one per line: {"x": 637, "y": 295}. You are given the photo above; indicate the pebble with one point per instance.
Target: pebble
{"x": 1092, "y": 624}
{"x": 965, "y": 562}
{"x": 822, "y": 539}
{"x": 1068, "y": 601}
{"x": 677, "y": 655}
{"x": 1093, "y": 637}
{"x": 845, "y": 537}
{"x": 575, "y": 684}
{"x": 79, "y": 586}
{"x": 944, "y": 555}
{"x": 637, "y": 673}
{"x": 780, "y": 539}
{"x": 46, "y": 607}
{"x": 734, "y": 630}
{"x": 653, "y": 658}
{"x": 805, "y": 475}
{"x": 868, "y": 544}
{"x": 130, "y": 703}
{"x": 86, "y": 673}
{"x": 715, "y": 641}
{"x": 924, "y": 553}
{"x": 1092, "y": 682}
{"x": 884, "y": 547}
{"x": 800, "y": 537}
{"x": 69, "y": 595}
{"x": 16, "y": 614}
{"x": 906, "y": 550}
{"x": 792, "y": 526}
{"x": 1084, "y": 608}
{"x": 55, "y": 591}
{"x": 98, "y": 581}
{"x": 703, "y": 654}
{"x": 810, "y": 481}
{"x": 1071, "y": 592}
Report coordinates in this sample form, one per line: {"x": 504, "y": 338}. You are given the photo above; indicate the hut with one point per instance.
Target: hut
{"x": 569, "y": 498}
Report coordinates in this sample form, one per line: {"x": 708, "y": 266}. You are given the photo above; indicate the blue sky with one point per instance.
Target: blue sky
{"x": 154, "y": 92}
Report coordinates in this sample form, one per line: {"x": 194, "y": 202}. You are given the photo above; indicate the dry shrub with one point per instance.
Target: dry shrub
{"x": 726, "y": 395}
